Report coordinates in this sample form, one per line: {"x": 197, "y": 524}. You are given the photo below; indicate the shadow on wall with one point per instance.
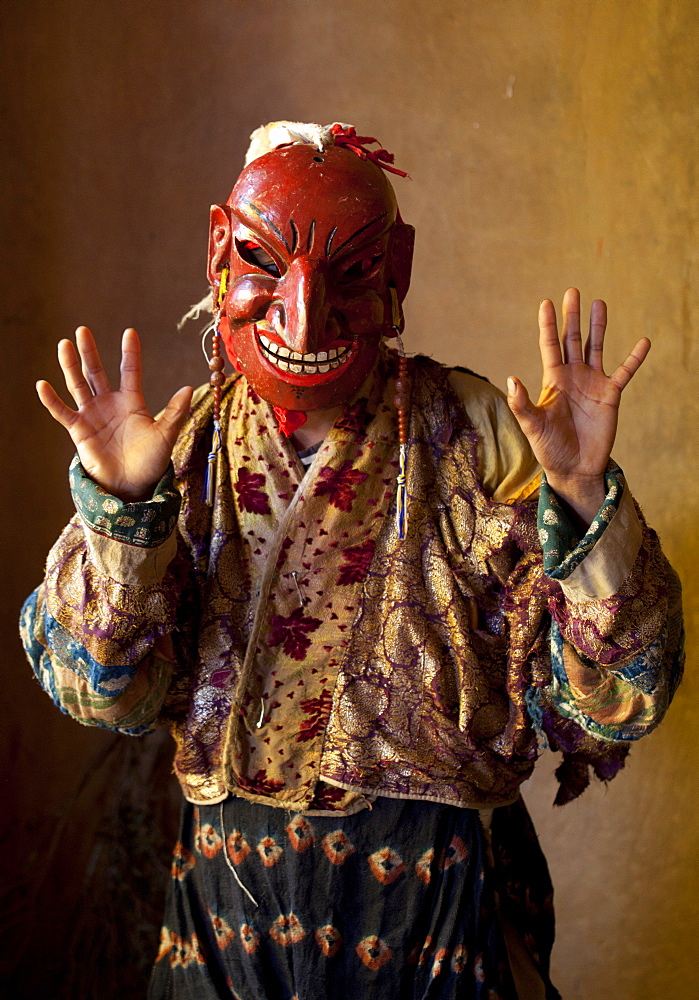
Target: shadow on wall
{"x": 83, "y": 906}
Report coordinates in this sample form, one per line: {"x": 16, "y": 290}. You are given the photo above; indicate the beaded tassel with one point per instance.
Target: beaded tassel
{"x": 402, "y": 404}
{"x": 216, "y": 366}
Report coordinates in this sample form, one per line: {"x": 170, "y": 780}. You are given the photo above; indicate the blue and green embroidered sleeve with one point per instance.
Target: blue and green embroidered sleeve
{"x": 616, "y": 631}
{"x": 99, "y": 644}
{"x": 145, "y": 524}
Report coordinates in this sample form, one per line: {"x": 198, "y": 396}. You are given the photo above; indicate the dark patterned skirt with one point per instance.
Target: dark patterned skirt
{"x": 400, "y": 902}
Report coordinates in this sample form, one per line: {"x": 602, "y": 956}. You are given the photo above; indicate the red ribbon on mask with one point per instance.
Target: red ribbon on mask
{"x": 346, "y": 135}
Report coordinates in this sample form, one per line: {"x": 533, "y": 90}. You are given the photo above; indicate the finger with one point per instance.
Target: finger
{"x": 55, "y": 405}
{"x": 130, "y": 361}
{"x": 627, "y": 369}
{"x": 92, "y": 369}
{"x": 175, "y": 413}
{"x": 549, "y": 344}
{"x": 571, "y": 336}
{"x": 527, "y": 415}
{"x": 595, "y": 340}
{"x": 72, "y": 370}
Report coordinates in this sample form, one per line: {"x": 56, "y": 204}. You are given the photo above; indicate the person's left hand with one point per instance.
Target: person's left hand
{"x": 572, "y": 428}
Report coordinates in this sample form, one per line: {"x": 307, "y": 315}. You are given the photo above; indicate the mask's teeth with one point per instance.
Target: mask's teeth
{"x": 303, "y": 364}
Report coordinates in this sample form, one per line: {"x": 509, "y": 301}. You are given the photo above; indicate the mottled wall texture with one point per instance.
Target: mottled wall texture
{"x": 550, "y": 143}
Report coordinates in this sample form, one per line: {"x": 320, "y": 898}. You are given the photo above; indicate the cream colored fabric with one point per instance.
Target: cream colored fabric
{"x": 130, "y": 565}
{"x": 608, "y": 564}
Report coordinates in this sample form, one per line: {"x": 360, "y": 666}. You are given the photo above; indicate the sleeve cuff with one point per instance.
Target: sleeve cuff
{"x": 131, "y": 543}
{"x": 594, "y": 567}
{"x": 145, "y": 524}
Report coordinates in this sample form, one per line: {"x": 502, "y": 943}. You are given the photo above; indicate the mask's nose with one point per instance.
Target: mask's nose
{"x": 299, "y": 313}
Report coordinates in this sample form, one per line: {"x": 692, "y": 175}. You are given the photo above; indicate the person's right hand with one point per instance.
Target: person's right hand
{"x": 121, "y": 446}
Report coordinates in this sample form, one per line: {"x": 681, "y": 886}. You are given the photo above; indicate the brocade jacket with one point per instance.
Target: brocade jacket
{"x": 304, "y": 656}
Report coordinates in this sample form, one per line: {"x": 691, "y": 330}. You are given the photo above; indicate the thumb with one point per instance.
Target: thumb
{"x": 175, "y": 413}
{"x": 527, "y": 415}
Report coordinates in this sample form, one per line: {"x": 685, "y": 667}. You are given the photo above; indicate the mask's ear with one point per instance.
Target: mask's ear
{"x": 219, "y": 243}
{"x": 401, "y": 257}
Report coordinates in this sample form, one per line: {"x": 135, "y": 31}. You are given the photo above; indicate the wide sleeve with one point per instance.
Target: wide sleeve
{"x": 617, "y": 640}
{"x": 616, "y": 633}
{"x": 102, "y": 631}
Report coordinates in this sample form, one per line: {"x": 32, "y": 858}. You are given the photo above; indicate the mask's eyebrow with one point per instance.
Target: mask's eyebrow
{"x": 361, "y": 229}
{"x": 329, "y": 241}
{"x": 311, "y": 235}
{"x": 266, "y": 221}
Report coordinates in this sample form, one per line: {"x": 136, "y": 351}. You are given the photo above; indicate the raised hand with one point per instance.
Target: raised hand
{"x": 573, "y": 426}
{"x": 121, "y": 446}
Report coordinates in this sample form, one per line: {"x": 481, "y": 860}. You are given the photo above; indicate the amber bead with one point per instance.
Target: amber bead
{"x": 401, "y": 384}
{"x": 400, "y": 401}
{"x": 217, "y": 364}
{"x": 218, "y": 378}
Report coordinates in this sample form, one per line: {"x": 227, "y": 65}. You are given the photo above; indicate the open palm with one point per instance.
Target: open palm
{"x": 121, "y": 446}
{"x": 573, "y": 425}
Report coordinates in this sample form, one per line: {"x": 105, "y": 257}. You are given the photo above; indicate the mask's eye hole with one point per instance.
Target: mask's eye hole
{"x": 253, "y": 253}
{"x": 363, "y": 268}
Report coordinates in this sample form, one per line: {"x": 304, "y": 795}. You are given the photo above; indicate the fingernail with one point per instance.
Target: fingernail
{"x": 511, "y": 386}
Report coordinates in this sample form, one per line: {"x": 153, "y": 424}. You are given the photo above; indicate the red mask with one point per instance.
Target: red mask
{"x": 314, "y": 243}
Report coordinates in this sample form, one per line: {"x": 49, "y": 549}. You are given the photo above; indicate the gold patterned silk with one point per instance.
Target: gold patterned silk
{"x": 357, "y": 663}
{"x": 305, "y": 657}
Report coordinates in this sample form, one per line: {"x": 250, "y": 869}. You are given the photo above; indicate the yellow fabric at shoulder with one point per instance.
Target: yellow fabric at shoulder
{"x": 199, "y": 393}
{"x": 506, "y": 464}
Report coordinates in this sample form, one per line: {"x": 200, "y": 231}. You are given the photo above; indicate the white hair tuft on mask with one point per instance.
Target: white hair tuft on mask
{"x": 268, "y": 137}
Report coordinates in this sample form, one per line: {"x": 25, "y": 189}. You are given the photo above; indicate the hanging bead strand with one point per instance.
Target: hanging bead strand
{"x": 216, "y": 381}
{"x": 402, "y": 404}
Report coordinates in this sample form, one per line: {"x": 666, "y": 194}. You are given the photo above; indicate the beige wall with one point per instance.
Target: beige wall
{"x": 550, "y": 142}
